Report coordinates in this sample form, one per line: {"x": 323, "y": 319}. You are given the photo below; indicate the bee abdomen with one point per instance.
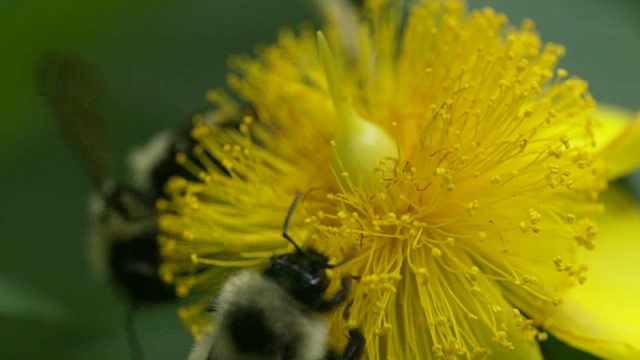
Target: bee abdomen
{"x": 250, "y": 331}
{"x": 134, "y": 266}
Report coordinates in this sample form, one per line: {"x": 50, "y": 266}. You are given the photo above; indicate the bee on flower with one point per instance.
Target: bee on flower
{"x": 444, "y": 146}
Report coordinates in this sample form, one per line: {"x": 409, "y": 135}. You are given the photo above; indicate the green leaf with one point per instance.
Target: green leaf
{"x": 19, "y": 301}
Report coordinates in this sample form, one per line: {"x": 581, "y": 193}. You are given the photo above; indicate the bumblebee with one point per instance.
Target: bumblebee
{"x": 122, "y": 246}
{"x": 275, "y": 314}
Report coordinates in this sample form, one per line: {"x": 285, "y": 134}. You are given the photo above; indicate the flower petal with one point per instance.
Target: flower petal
{"x": 602, "y": 316}
{"x": 620, "y": 139}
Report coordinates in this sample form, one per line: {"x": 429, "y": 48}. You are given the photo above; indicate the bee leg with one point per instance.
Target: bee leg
{"x": 132, "y": 335}
{"x": 355, "y": 346}
{"x": 353, "y": 350}
{"x": 326, "y": 305}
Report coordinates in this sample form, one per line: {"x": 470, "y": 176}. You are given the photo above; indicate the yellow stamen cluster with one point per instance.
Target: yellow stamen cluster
{"x": 465, "y": 228}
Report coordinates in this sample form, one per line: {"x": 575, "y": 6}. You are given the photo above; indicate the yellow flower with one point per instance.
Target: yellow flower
{"x": 445, "y": 148}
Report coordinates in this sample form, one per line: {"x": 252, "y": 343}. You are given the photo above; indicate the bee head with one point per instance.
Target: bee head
{"x": 302, "y": 274}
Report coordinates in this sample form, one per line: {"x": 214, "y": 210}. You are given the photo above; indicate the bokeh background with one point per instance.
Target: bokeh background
{"x": 157, "y": 60}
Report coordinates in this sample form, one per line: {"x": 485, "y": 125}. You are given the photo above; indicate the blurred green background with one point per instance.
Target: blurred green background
{"x": 157, "y": 60}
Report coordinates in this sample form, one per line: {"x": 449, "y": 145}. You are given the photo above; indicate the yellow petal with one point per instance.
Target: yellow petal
{"x": 603, "y": 315}
{"x": 620, "y": 139}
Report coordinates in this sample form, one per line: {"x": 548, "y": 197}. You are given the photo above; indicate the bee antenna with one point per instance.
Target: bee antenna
{"x": 343, "y": 261}
{"x": 286, "y": 223}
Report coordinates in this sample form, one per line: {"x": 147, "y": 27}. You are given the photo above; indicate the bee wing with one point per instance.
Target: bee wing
{"x": 76, "y": 96}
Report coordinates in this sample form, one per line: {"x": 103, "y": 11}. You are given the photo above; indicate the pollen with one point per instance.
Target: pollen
{"x": 441, "y": 152}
